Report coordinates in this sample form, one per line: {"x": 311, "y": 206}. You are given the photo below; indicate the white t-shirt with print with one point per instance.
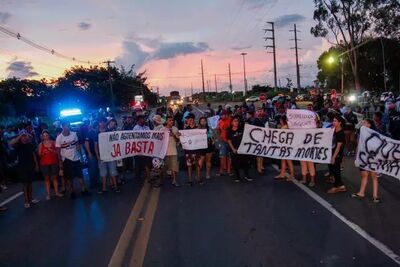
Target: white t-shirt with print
{"x": 68, "y": 145}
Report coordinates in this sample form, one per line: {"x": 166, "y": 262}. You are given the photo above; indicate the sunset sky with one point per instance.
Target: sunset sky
{"x": 166, "y": 38}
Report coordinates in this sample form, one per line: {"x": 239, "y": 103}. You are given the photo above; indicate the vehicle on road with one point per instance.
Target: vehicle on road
{"x": 174, "y": 99}
{"x": 73, "y": 115}
{"x": 252, "y": 99}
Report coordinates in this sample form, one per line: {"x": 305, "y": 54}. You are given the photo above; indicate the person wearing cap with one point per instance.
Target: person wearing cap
{"x": 142, "y": 162}
{"x": 69, "y": 154}
{"x": 158, "y": 123}
{"x": 27, "y": 164}
{"x": 222, "y": 131}
{"x": 339, "y": 141}
{"x": 49, "y": 163}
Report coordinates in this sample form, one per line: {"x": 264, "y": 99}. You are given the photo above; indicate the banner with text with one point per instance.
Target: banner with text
{"x": 302, "y": 144}
{"x": 301, "y": 119}
{"x": 378, "y": 153}
{"x": 123, "y": 144}
{"x": 193, "y": 139}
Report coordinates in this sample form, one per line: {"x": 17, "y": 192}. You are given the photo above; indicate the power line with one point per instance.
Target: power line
{"x": 41, "y": 47}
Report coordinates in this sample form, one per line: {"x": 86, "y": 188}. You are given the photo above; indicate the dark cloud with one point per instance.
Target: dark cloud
{"x": 134, "y": 52}
{"x": 238, "y": 48}
{"x": 171, "y": 50}
{"x": 255, "y": 4}
{"x": 21, "y": 69}
{"x": 4, "y": 17}
{"x": 287, "y": 20}
{"x": 84, "y": 25}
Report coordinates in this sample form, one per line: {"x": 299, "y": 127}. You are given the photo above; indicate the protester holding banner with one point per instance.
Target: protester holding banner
{"x": 239, "y": 161}
{"x": 171, "y": 158}
{"x": 192, "y": 156}
{"x": 285, "y": 162}
{"x": 142, "y": 162}
{"x": 339, "y": 141}
{"x": 365, "y": 173}
{"x": 108, "y": 168}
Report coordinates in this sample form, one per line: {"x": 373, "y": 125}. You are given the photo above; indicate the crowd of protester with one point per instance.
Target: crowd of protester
{"x": 60, "y": 155}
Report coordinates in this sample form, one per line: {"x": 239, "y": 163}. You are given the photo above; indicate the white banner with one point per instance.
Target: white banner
{"x": 193, "y": 139}
{"x": 122, "y": 144}
{"x": 213, "y": 122}
{"x": 301, "y": 119}
{"x": 378, "y": 153}
{"x": 302, "y": 144}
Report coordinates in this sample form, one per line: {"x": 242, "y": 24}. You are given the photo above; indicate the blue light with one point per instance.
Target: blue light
{"x": 70, "y": 112}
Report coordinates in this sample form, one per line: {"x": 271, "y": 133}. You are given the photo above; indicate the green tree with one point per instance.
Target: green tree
{"x": 350, "y": 22}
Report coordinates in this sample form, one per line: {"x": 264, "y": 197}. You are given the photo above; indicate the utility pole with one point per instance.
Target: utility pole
{"x": 215, "y": 81}
{"x": 230, "y": 78}
{"x": 297, "y": 55}
{"x": 272, "y": 30}
{"x": 109, "y": 62}
{"x": 202, "y": 79}
{"x": 244, "y": 73}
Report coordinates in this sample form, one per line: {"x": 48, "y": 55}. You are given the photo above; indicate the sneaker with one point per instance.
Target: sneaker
{"x": 335, "y": 190}
{"x": 376, "y": 200}
{"x": 175, "y": 185}
{"x": 59, "y": 195}
{"x": 3, "y": 187}
{"x": 208, "y": 177}
{"x": 303, "y": 181}
{"x": 48, "y": 197}
{"x": 27, "y": 205}
{"x": 356, "y": 195}
{"x": 237, "y": 180}
{"x": 248, "y": 179}
{"x": 35, "y": 201}
{"x": 311, "y": 184}
{"x": 117, "y": 190}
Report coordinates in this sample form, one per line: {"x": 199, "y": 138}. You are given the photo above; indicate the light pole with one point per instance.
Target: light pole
{"x": 244, "y": 73}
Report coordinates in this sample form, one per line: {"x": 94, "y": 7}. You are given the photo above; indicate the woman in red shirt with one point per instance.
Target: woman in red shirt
{"x": 49, "y": 163}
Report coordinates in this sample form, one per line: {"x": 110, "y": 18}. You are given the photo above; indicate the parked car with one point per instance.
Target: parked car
{"x": 252, "y": 99}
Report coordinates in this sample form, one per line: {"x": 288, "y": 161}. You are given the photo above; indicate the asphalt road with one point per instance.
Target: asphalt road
{"x": 222, "y": 223}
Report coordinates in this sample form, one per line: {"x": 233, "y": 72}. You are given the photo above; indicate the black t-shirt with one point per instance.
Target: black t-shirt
{"x": 24, "y": 153}
{"x": 235, "y": 136}
{"x": 338, "y": 137}
{"x": 92, "y": 137}
{"x": 351, "y": 121}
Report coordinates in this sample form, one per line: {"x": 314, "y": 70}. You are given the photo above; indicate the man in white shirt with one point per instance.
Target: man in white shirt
{"x": 69, "y": 154}
{"x": 142, "y": 162}
{"x": 171, "y": 158}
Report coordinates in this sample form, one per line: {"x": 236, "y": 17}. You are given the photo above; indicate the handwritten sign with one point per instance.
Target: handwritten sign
{"x": 302, "y": 144}
{"x": 122, "y": 144}
{"x": 193, "y": 139}
{"x": 378, "y": 153}
{"x": 301, "y": 119}
{"x": 213, "y": 122}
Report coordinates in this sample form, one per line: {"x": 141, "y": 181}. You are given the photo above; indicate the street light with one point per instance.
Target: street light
{"x": 244, "y": 73}
{"x": 331, "y": 60}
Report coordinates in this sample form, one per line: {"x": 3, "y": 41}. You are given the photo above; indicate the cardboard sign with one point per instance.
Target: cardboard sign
{"x": 193, "y": 139}
{"x": 301, "y": 119}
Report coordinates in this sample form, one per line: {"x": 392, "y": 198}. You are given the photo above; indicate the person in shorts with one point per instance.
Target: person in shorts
{"x": 49, "y": 163}
{"x": 171, "y": 158}
{"x": 222, "y": 130}
{"x": 69, "y": 154}
{"x": 107, "y": 168}
{"x": 192, "y": 156}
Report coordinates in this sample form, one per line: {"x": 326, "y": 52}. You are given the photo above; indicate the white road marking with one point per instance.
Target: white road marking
{"x": 382, "y": 247}
{"x": 8, "y": 200}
